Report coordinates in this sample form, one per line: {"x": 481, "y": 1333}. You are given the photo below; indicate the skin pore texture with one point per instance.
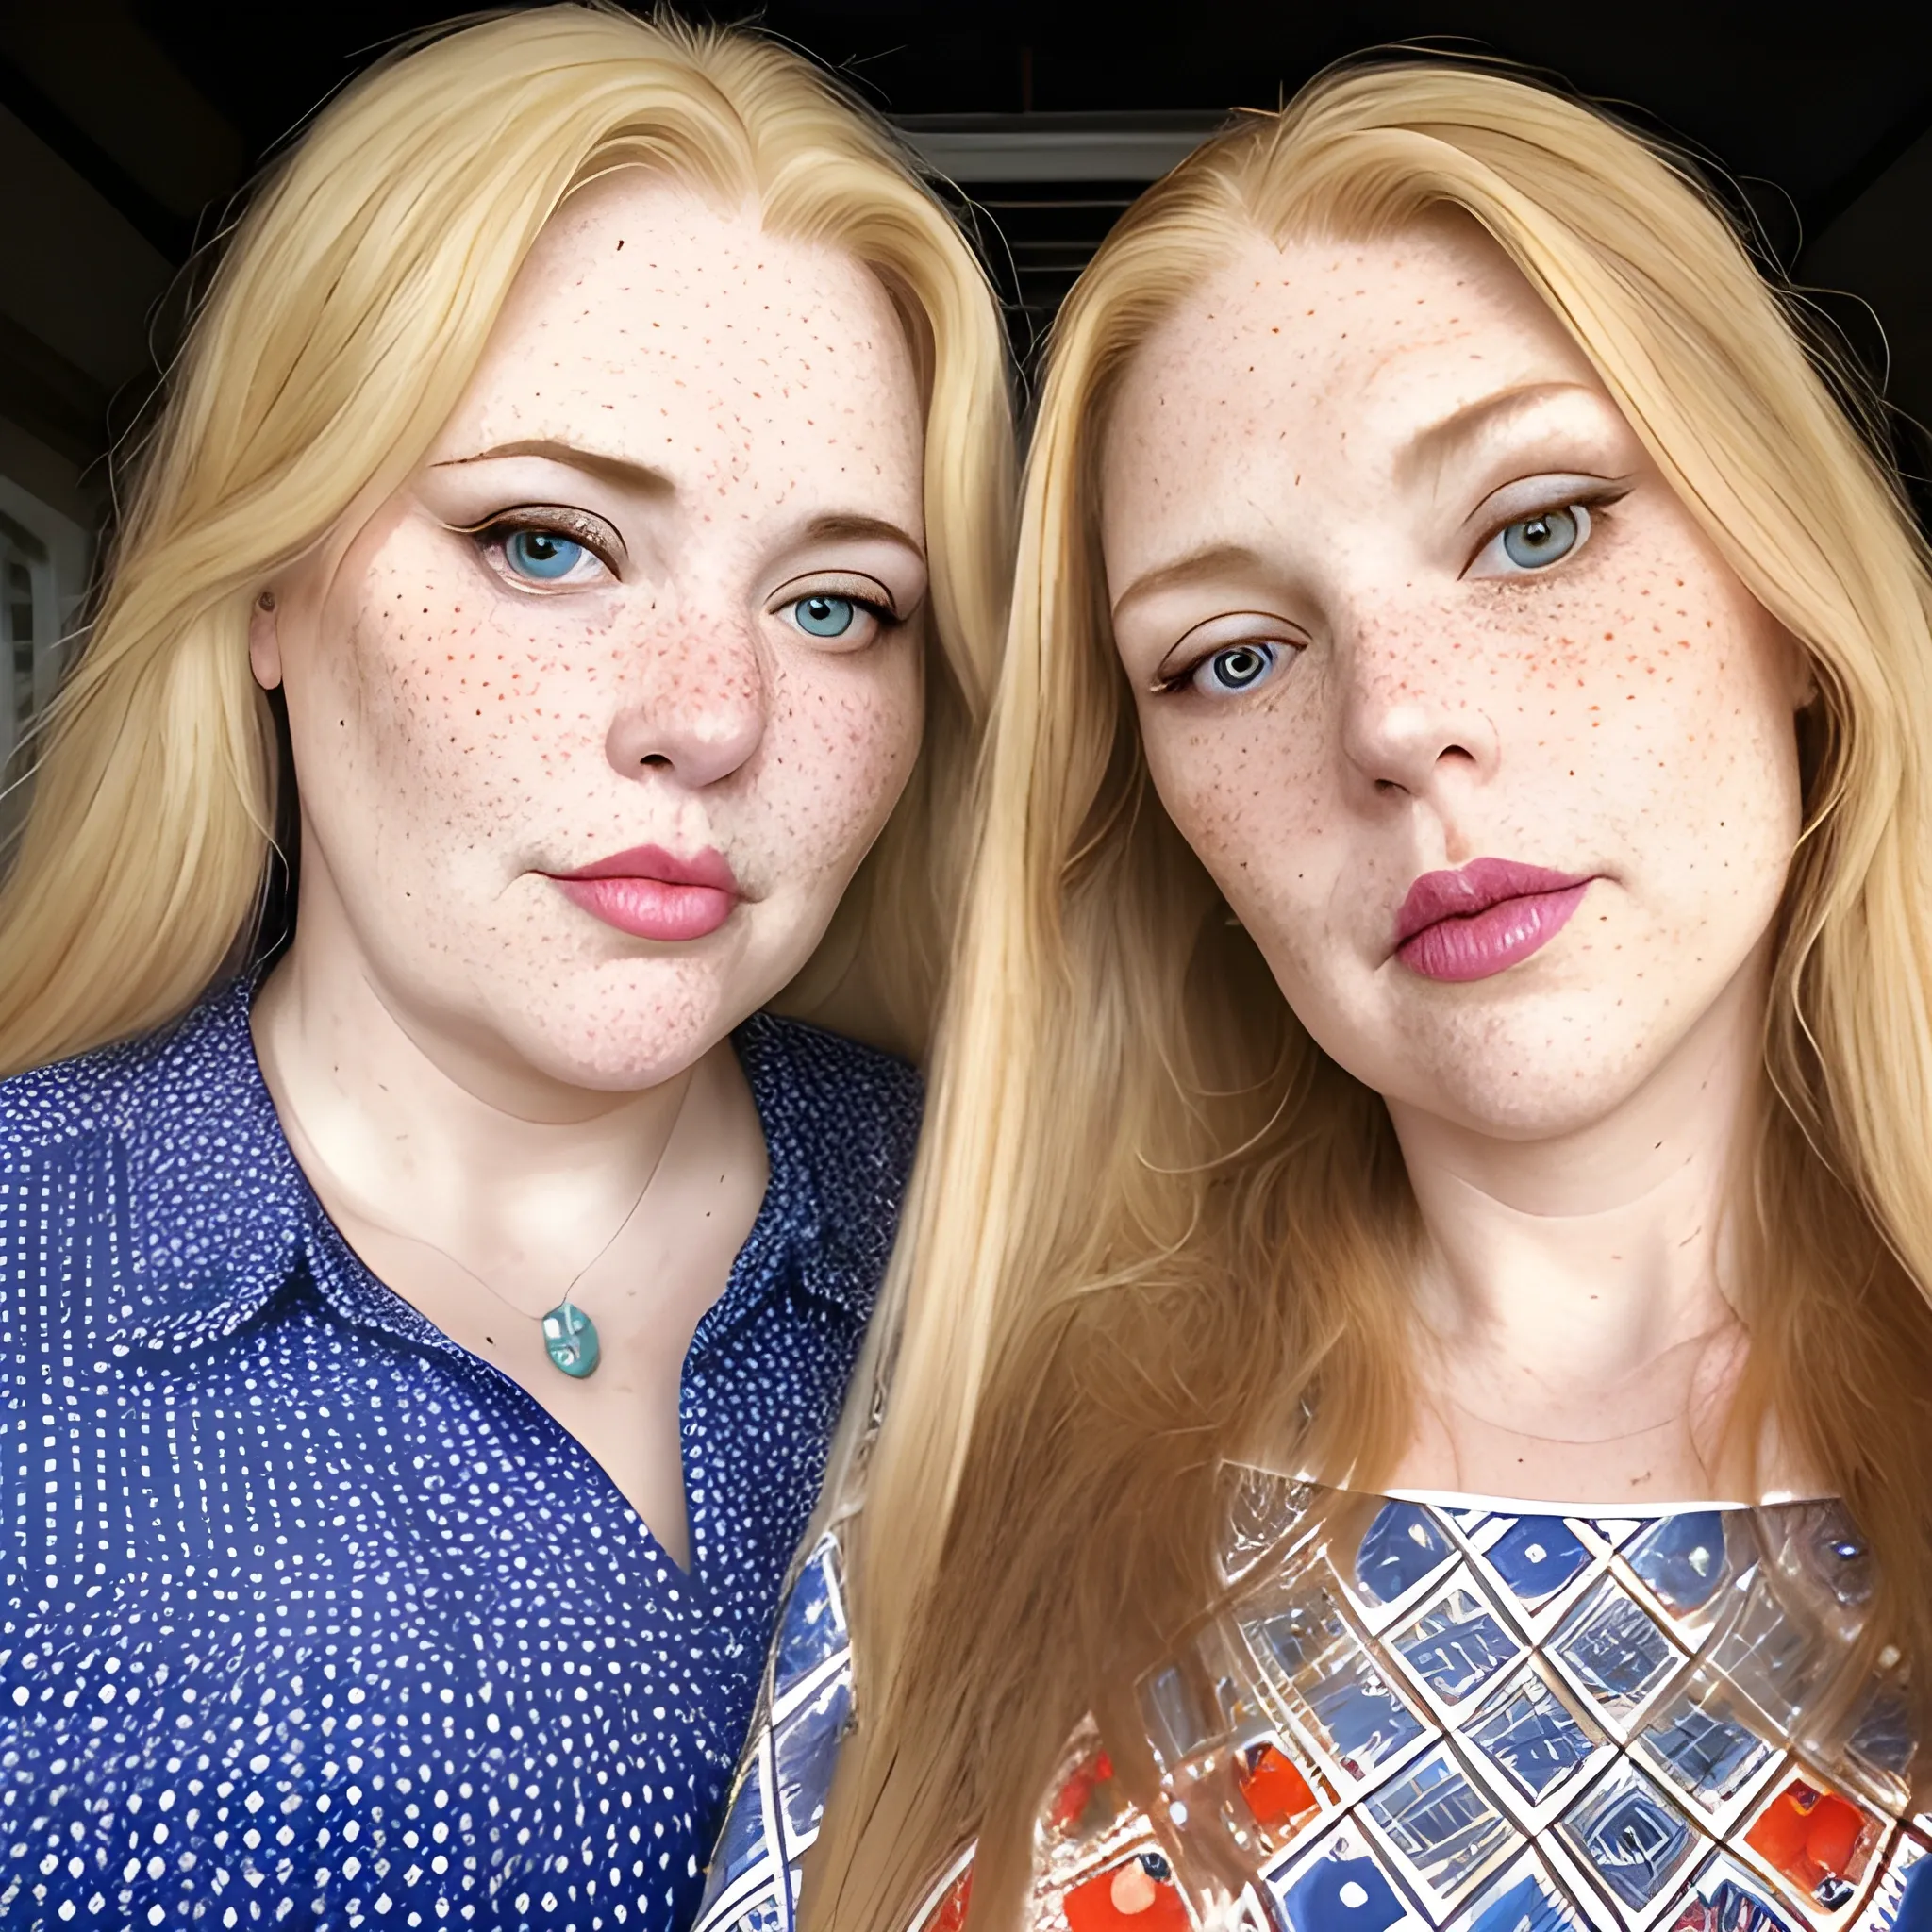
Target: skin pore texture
{"x": 579, "y": 629}
{"x": 1397, "y": 588}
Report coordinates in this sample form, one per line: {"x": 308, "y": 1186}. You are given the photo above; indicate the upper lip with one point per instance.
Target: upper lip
{"x": 1474, "y": 888}
{"x": 706, "y": 867}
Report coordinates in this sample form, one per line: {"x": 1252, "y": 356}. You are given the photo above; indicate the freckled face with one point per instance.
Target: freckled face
{"x": 1398, "y": 590}
{"x": 659, "y": 585}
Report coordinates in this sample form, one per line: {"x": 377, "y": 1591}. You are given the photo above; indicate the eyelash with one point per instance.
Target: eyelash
{"x": 594, "y": 536}
{"x": 1183, "y": 680}
{"x": 873, "y": 607}
{"x": 884, "y": 618}
{"x": 1595, "y": 503}
{"x": 556, "y": 520}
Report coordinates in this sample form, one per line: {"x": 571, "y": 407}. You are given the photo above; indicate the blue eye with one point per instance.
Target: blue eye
{"x": 544, "y": 555}
{"x": 825, "y": 617}
{"x": 1535, "y": 542}
{"x": 1238, "y": 668}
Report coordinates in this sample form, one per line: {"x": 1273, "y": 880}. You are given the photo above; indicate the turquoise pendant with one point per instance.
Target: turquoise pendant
{"x": 570, "y": 1337}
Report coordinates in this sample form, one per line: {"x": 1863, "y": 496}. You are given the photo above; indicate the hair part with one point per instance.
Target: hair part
{"x": 348, "y": 314}
{"x": 1152, "y": 1226}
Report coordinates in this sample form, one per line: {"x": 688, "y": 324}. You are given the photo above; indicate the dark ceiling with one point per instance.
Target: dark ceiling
{"x": 1822, "y": 117}
{"x": 1801, "y": 96}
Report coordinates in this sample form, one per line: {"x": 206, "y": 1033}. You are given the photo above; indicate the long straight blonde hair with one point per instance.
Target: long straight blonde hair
{"x": 1154, "y": 1226}
{"x": 347, "y": 314}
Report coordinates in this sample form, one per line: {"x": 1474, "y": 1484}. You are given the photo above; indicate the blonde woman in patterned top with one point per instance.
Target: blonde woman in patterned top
{"x": 1443, "y": 1016}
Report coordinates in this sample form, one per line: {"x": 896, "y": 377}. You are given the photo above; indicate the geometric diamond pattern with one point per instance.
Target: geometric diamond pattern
{"x": 786, "y": 1774}
{"x": 1536, "y": 1740}
{"x": 1438, "y": 1714}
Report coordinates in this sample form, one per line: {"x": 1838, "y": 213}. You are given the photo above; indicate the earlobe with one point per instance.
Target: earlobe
{"x": 1805, "y": 688}
{"x": 264, "y": 643}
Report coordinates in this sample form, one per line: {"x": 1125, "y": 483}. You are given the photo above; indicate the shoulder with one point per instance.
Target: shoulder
{"x": 78, "y": 1099}
{"x": 850, "y": 1112}
{"x": 134, "y": 1091}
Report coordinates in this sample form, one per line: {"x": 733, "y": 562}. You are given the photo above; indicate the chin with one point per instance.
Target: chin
{"x": 1550, "y": 1112}
{"x": 1540, "y": 1070}
{"x": 626, "y": 1024}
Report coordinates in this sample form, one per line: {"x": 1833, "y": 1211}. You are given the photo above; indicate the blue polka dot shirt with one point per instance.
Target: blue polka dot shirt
{"x": 305, "y": 1612}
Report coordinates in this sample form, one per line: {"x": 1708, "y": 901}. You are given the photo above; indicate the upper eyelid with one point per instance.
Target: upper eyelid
{"x": 1479, "y": 534}
{"x": 1183, "y": 675}
{"x": 1188, "y": 650}
{"x": 830, "y": 582}
{"x": 596, "y": 533}
{"x": 1526, "y": 497}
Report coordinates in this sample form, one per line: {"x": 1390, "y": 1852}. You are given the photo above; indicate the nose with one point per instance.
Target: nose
{"x": 696, "y": 709}
{"x": 1413, "y": 721}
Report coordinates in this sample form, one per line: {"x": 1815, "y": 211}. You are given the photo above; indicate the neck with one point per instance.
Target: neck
{"x": 1572, "y": 1289}
{"x": 409, "y": 1121}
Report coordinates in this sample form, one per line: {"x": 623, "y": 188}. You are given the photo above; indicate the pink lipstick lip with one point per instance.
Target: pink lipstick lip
{"x": 653, "y": 894}
{"x": 1484, "y": 917}
{"x": 706, "y": 867}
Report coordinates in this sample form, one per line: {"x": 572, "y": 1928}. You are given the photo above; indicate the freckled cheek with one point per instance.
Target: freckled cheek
{"x": 1636, "y": 656}
{"x": 1250, "y": 803}
{"x": 466, "y": 695}
{"x": 1683, "y": 717}
{"x": 838, "y": 753}
{"x": 1664, "y": 737}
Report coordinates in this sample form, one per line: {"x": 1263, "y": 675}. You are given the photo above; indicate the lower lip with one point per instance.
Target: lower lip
{"x": 651, "y": 908}
{"x": 1492, "y": 940}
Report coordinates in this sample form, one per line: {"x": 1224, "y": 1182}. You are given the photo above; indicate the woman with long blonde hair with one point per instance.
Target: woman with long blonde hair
{"x": 573, "y": 548}
{"x": 1415, "y": 1347}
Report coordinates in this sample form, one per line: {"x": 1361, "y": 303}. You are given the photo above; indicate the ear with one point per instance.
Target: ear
{"x": 264, "y": 643}
{"x": 1802, "y": 670}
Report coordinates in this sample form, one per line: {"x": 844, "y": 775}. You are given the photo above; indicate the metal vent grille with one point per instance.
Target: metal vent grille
{"x": 1048, "y": 188}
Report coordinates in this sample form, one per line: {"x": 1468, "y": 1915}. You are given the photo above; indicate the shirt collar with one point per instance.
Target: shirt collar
{"x": 215, "y": 1198}
{"x": 794, "y": 1236}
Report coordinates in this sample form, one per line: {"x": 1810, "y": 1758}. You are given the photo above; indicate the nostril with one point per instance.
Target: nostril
{"x": 653, "y": 757}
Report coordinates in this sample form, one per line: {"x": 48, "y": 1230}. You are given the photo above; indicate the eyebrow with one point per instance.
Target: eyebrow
{"x": 1430, "y": 448}
{"x": 618, "y": 470}
{"x": 848, "y": 527}
{"x": 1212, "y": 561}
{"x": 835, "y": 526}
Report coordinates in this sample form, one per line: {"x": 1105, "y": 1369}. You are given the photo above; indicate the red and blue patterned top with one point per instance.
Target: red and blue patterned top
{"x": 1438, "y": 1714}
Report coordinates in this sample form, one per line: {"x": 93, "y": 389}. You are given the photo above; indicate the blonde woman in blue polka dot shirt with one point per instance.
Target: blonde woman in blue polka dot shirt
{"x": 564, "y": 579}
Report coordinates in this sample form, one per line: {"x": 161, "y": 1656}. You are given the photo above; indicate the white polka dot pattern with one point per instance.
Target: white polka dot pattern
{"x": 309, "y": 1613}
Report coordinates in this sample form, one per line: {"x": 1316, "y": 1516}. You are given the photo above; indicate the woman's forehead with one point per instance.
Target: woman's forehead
{"x": 1318, "y": 309}
{"x": 1313, "y": 352}
{"x": 669, "y": 331}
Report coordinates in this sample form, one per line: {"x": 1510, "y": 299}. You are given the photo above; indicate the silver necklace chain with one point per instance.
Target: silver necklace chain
{"x": 610, "y": 1242}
